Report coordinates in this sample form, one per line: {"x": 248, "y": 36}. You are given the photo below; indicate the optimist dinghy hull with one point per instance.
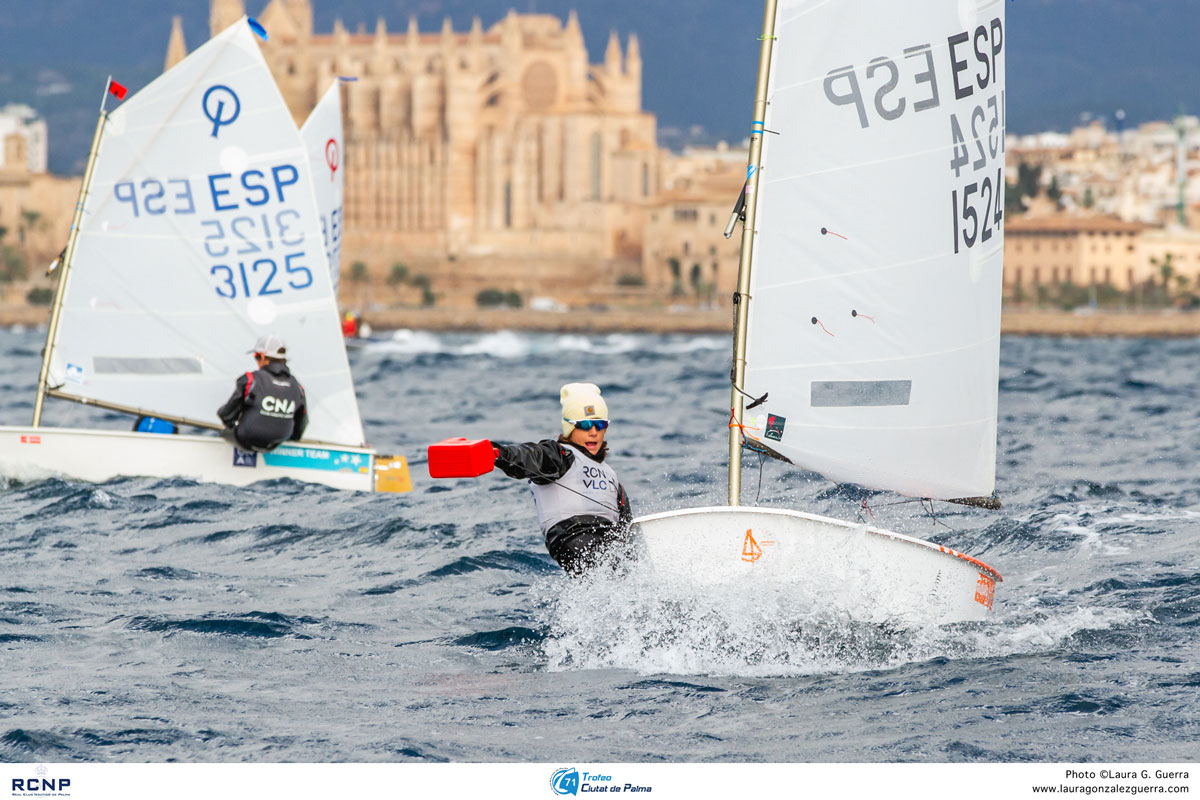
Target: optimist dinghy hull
{"x": 99, "y": 455}
{"x": 870, "y": 574}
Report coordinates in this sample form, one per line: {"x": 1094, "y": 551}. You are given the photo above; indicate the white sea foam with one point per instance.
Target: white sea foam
{"x": 407, "y": 341}
{"x": 515, "y": 344}
{"x": 637, "y": 622}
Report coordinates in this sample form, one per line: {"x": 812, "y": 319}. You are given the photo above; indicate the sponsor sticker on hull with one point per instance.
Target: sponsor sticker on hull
{"x": 985, "y": 591}
{"x": 317, "y": 458}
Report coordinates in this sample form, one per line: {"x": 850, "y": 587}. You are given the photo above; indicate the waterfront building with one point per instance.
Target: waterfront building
{"x": 22, "y": 139}
{"x": 686, "y": 255}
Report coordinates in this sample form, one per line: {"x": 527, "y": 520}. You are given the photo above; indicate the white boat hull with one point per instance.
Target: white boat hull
{"x": 870, "y": 574}
{"x": 28, "y": 453}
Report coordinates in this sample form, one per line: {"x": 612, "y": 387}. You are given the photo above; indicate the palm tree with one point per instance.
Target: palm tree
{"x": 1166, "y": 269}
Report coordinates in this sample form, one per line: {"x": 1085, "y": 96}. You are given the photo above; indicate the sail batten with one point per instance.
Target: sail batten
{"x": 201, "y": 233}
{"x": 874, "y": 310}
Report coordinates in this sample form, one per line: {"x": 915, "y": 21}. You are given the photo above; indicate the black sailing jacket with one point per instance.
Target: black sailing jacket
{"x": 267, "y": 407}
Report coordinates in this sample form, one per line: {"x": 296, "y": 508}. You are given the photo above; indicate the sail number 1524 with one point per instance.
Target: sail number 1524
{"x": 978, "y": 209}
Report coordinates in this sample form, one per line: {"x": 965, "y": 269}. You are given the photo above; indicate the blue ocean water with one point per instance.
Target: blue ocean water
{"x": 162, "y": 619}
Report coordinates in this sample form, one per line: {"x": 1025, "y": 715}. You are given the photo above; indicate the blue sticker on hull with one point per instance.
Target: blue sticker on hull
{"x": 317, "y": 458}
{"x": 242, "y": 458}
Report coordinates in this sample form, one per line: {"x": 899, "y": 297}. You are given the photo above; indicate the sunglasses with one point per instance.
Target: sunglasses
{"x": 588, "y": 424}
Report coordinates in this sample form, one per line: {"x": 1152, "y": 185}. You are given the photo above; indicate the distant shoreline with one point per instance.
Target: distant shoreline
{"x": 1015, "y": 322}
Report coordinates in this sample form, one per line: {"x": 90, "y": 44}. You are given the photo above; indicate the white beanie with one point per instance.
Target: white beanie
{"x": 581, "y": 401}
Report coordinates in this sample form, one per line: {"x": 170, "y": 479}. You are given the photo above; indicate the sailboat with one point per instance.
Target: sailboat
{"x": 322, "y": 135}
{"x": 197, "y": 231}
{"x": 866, "y": 346}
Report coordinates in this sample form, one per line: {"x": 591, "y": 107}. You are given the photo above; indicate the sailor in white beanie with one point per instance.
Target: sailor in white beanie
{"x": 582, "y": 508}
{"x": 267, "y": 406}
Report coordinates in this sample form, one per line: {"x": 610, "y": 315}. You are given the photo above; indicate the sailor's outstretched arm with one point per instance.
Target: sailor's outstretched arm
{"x": 540, "y": 462}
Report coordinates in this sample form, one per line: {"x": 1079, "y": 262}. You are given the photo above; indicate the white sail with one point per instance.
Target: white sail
{"x": 322, "y": 134}
{"x": 874, "y": 319}
{"x": 200, "y": 233}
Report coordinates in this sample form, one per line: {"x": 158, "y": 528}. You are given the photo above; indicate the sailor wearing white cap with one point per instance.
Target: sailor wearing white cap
{"x": 267, "y": 406}
{"x": 582, "y": 508}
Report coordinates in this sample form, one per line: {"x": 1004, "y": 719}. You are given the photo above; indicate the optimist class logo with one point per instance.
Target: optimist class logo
{"x": 333, "y": 157}
{"x": 215, "y": 109}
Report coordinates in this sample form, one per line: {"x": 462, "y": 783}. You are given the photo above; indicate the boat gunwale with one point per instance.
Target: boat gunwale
{"x": 787, "y": 512}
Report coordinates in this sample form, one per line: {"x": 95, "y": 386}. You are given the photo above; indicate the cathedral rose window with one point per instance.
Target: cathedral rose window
{"x": 539, "y": 86}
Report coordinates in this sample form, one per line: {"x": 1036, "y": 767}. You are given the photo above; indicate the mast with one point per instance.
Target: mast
{"x": 65, "y": 266}
{"x": 742, "y": 298}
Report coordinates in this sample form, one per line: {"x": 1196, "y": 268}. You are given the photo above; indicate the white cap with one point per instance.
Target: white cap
{"x": 581, "y": 401}
{"x": 271, "y": 346}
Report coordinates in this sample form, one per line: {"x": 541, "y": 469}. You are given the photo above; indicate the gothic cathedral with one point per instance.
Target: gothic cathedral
{"x": 502, "y": 142}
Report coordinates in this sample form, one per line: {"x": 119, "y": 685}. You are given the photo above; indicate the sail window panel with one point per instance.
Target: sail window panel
{"x": 844, "y": 394}
{"x": 112, "y": 365}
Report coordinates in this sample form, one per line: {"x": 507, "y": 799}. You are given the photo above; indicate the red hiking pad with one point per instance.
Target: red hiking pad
{"x": 461, "y": 458}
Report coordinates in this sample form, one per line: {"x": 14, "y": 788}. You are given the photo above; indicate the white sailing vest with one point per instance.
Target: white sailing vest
{"x": 587, "y": 488}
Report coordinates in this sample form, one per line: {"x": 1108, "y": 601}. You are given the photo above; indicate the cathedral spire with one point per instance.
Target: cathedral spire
{"x": 633, "y": 58}
{"x": 510, "y": 31}
{"x": 380, "y": 56}
{"x": 176, "y": 48}
{"x": 224, "y": 13}
{"x": 449, "y": 60}
{"x": 341, "y": 42}
{"x": 302, "y": 18}
{"x": 412, "y": 41}
{"x": 573, "y": 30}
{"x": 476, "y": 43}
{"x": 612, "y": 55}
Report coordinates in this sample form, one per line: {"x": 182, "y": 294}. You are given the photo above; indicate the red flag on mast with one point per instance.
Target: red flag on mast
{"x": 116, "y": 89}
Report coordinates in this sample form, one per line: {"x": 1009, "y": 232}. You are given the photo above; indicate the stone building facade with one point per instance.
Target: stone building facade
{"x": 22, "y": 139}
{"x": 502, "y": 144}
{"x": 685, "y": 253}
{"x": 1079, "y": 250}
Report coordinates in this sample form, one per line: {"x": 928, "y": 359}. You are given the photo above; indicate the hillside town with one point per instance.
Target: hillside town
{"x": 501, "y": 168}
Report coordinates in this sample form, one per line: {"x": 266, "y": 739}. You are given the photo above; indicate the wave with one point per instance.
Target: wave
{"x": 513, "y": 636}
{"x": 253, "y": 624}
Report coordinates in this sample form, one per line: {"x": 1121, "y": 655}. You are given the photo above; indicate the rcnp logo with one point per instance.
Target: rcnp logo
{"x": 565, "y": 781}
{"x": 41, "y": 785}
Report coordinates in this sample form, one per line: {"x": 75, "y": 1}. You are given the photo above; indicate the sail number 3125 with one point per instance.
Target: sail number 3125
{"x": 256, "y": 271}
{"x": 261, "y": 277}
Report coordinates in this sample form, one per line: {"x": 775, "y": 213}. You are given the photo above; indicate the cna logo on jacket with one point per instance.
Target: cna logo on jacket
{"x": 278, "y": 406}
{"x": 565, "y": 781}
{"x": 40, "y": 784}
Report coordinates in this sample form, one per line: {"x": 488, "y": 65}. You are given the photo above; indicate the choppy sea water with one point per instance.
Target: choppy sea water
{"x": 161, "y": 619}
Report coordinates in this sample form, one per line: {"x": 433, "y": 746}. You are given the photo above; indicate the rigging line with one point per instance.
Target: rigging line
{"x": 755, "y": 401}
{"x": 927, "y": 504}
